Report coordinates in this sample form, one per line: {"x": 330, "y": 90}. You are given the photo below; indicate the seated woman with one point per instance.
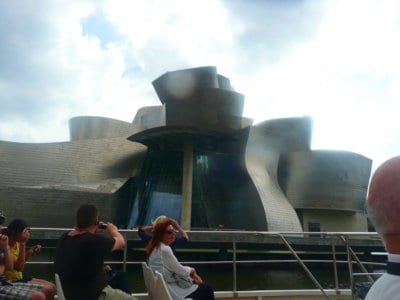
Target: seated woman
{"x": 145, "y": 232}
{"x": 162, "y": 259}
{"x": 19, "y": 290}
{"x": 18, "y": 234}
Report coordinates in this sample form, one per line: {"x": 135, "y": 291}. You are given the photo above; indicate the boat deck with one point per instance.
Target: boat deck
{"x": 344, "y": 248}
{"x": 274, "y": 295}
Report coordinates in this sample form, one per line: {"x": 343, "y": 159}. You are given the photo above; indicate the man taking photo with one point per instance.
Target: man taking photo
{"x": 80, "y": 254}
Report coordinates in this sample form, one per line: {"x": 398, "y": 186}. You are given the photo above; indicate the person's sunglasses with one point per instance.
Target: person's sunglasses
{"x": 169, "y": 232}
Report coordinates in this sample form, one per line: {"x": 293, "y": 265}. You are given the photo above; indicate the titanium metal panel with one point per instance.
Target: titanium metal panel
{"x": 266, "y": 143}
{"x": 245, "y": 177}
{"x": 182, "y": 84}
{"x": 45, "y": 183}
{"x": 327, "y": 180}
{"x": 89, "y": 127}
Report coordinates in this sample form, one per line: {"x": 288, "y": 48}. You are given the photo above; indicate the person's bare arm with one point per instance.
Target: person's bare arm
{"x": 8, "y": 259}
{"x": 182, "y": 232}
{"x": 32, "y": 251}
{"x": 19, "y": 263}
{"x": 196, "y": 277}
{"x": 119, "y": 239}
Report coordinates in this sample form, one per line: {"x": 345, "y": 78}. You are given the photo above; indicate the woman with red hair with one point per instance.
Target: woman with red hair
{"x": 182, "y": 281}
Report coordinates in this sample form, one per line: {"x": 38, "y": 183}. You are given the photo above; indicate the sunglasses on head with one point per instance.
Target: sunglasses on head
{"x": 169, "y": 232}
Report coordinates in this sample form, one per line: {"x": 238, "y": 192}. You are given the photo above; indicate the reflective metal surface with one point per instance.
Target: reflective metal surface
{"x": 244, "y": 176}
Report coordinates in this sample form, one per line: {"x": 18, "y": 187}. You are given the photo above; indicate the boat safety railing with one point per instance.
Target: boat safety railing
{"x": 332, "y": 240}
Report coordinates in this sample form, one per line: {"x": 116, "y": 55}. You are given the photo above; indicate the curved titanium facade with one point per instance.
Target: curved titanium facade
{"x": 266, "y": 144}
{"x": 209, "y": 117}
{"x": 194, "y": 158}
{"x": 334, "y": 180}
{"x": 88, "y": 127}
{"x": 45, "y": 183}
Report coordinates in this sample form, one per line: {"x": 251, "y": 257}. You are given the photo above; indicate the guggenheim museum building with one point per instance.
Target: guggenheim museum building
{"x": 194, "y": 158}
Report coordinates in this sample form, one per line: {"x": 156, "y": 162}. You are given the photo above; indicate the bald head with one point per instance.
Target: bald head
{"x": 383, "y": 202}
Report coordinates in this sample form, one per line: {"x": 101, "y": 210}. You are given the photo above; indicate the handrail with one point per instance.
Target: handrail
{"x": 249, "y": 232}
{"x": 308, "y": 272}
{"x": 356, "y": 258}
{"x": 259, "y": 237}
{"x": 234, "y": 268}
{"x": 364, "y": 274}
{"x": 224, "y": 262}
{"x": 335, "y": 273}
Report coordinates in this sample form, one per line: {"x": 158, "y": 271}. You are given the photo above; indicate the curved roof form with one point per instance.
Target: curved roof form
{"x": 91, "y": 127}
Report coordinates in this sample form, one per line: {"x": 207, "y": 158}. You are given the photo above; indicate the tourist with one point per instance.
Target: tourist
{"x": 383, "y": 204}
{"x": 14, "y": 290}
{"x": 182, "y": 281}
{"x": 145, "y": 232}
{"x": 18, "y": 236}
{"x": 80, "y": 254}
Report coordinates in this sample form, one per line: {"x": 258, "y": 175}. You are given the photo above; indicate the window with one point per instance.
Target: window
{"x": 314, "y": 227}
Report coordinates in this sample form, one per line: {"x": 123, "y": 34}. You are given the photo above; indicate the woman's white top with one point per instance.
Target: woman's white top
{"x": 164, "y": 261}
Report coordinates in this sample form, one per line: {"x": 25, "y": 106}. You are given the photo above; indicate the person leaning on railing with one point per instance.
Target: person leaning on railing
{"x": 182, "y": 281}
{"x": 383, "y": 205}
{"x": 14, "y": 290}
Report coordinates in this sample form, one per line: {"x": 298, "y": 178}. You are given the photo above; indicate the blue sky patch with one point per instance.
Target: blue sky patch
{"x": 98, "y": 26}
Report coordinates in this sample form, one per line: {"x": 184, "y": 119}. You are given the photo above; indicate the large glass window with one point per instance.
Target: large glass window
{"x": 223, "y": 193}
{"x": 160, "y": 187}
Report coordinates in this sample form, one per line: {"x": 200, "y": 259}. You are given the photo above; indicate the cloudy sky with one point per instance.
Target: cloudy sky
{"x": 335, "y": 61}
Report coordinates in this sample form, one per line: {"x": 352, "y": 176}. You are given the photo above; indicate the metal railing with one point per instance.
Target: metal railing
{"x": 347, "y": 240}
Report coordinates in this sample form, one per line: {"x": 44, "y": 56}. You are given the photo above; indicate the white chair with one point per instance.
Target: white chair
{"x": 161, "y": 289}
{"x": 148, "y": 278}
{"x": 60, "y": 292}
{"x": 155, "y": 284}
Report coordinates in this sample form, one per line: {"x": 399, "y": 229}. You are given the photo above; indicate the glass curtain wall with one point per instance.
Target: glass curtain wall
{"x": 223, "y": 193}
{"x": 160, "y": 187}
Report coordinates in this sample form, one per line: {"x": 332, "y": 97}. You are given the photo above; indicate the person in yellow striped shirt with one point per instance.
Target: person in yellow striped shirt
{"x": 18, "y": 235}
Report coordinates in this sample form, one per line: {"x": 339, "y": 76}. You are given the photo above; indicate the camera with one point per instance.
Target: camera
{"x": 102, "y": 225}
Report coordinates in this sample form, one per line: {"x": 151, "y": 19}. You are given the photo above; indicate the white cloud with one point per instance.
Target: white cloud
{"x": 336, "y": 61}
{"x": 346, "y": 79}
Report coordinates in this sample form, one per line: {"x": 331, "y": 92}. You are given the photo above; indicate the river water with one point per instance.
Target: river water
{"x": 249, "y": 276}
